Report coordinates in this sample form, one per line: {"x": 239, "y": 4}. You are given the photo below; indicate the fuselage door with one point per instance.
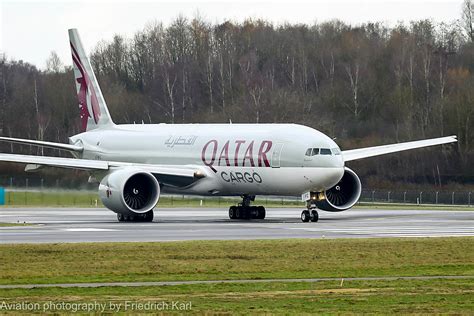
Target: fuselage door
{"x": 276, "y": 155}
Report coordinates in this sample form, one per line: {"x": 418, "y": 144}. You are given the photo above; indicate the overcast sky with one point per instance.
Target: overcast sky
{"x": 30, "y": 30}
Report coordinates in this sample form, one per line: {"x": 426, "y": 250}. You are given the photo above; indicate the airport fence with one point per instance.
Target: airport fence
{"x": 459, "y": 198}
{"x": 37, "y": 191}
{"x": 50, "y": 197}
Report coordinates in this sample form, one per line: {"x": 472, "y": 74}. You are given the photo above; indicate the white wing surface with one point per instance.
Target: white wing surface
{"x": 39, "y": 143}
{"x": 361, "y": 153}
{"x": 71, "y": 163}
{"x": 172, "y": 175}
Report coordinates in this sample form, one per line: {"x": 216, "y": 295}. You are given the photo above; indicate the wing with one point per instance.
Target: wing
{"x": 360, "y": 153}
{"x": 169, "y": 175}
{"x": 39, "y": 143}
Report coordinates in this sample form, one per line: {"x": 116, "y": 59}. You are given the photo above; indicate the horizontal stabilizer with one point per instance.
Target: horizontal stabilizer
{"x": 39, "y": 143}
{"x": 361, "y": 153}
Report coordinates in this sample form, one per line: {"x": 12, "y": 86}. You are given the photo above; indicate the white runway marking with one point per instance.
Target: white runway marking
{"x": 397, "y": 231}
{"x": 87, "y": 229}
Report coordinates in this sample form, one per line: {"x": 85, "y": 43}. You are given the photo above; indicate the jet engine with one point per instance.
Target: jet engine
{"x": 129, "y": 191}
{"x": 343, "y": 195}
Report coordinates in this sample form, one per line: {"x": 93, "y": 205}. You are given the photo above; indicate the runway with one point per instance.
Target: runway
{"x": 67, "y": 225}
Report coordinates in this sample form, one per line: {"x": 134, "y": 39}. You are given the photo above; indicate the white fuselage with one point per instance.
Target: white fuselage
{"x": 257, "y": 159}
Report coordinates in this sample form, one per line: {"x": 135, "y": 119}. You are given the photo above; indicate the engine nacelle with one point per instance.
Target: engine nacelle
{"x": 129, "y": 191}
{"x": 343, "y": 195}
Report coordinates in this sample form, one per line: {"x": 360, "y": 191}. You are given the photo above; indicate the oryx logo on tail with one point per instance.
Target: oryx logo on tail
{"x": 94, "y": 112}
{"x": 85, "y": 93}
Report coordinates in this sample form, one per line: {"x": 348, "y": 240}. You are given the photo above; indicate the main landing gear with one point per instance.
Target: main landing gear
{"x": 245, "y": 211}
{"x": 145, "y": 217}
{"x": 311, "y": 213}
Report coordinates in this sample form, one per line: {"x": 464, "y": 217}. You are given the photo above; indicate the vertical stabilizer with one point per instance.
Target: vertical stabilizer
{"x": 94, "y": 112}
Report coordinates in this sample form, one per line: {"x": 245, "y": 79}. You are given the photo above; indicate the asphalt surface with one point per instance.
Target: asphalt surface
{"x": 64, "y": 225}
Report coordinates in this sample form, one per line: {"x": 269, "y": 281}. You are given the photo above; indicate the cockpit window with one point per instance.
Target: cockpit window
{"x": 325, "y": 151}
{"x": 322, "y": 151}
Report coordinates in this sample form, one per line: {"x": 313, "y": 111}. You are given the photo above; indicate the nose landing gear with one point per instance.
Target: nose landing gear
{"x": 307, "y": 216}
{"x": 311, "y": 213}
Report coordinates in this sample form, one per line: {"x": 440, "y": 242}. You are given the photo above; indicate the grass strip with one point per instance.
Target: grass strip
{"x": 14, "y": 224}
{"x": 243, "y": 259}
{"x": 359, "y": 297}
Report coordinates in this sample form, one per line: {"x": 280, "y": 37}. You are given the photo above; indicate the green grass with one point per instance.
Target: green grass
{"x": 91, "y": 199}
{"x": 252, "y": 259}
{"x": 52, "y": 198}
{"x": 376, "y": 297}
{"x": 14, "y": 224}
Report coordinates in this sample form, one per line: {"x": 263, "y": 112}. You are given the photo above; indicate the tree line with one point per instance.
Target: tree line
{"x": 363, "y": 85}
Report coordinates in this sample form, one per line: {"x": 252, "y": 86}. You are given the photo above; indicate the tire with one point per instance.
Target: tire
{"x": 148, "y": 216}
{"x": 253, "y": 212}
{"x": 261, "y": 212}
{"x": 246, "y": 212}
{"x": 238, "y": 213}
{"x": 232, "y": 212}
{"x": 305, "y": 216}
{"x": 314, "y": 216}
{"x": 120, "y": 217}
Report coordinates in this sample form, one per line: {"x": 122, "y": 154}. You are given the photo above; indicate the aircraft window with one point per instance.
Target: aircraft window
{"x": 308, "y": 152}
{"x": 326, "y": 151}
{"x": 336, "y": 151}
{"x": 315, "y": 152}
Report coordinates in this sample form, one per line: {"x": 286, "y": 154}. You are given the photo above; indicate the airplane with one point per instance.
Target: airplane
{"x": 135, "y": 163}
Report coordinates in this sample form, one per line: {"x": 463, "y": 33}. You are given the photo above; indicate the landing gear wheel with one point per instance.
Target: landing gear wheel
{"x": 232, "y": 212}
{"x": 120, "y": 217}
{"x": 148, "y": 216}
{"x": 245, "y": 212}
{"x": 314, "y": 216}
{"x": 261, "y": 212}
{"x": 305, "y": 216}
{"x": 238, "y": 213}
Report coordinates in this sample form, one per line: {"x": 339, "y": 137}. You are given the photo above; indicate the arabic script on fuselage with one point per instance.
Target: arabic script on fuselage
{"x": 180, "y": 140}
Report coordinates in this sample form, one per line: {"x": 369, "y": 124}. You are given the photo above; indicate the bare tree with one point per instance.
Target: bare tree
{"x": 53, "y": 63}
{"x": 170, "y": 90}
{"x": 355, "y": 66}
{"x": 41, "y": 117}
{"x": 209, "y": 81}
{"x": 3, "y": 91}
{"x": 226, "y": 50}
{"x": 468, "y": 18}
